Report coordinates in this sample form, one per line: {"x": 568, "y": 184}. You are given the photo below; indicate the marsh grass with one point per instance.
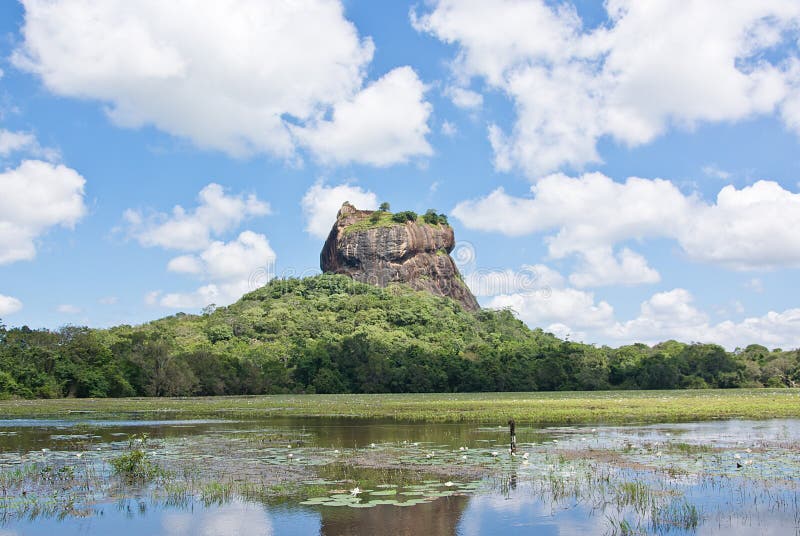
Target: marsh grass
{"x": 688, "y": 449}
{"x": 135, "y": 465}
{"x": 635, "y": 494}
{"x": 681, "y": 515}
{"x": 536, "y": 408}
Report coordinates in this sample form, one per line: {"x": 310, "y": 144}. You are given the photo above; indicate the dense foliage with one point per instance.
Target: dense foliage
{"x": 383, "y": 218}
{"x": 329, "y": 334}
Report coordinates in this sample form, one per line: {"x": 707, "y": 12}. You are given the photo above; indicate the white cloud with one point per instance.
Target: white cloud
{"x": 11, "y": 142}
{"x": 216, "y": 214}
{"x": 449, "y": 129}
{"x": 464, "y": 98}
{"x": 151, "y": 298}
{"x": 384, "y": 124}
{"x": 230, "y": 269}
{"x": 530, "y": 278}
{"x": 25, "y": 142}
{"x": 565, "y": 306}
{"x": 185, "y": 264}
{"x": 572, "y": 86}
{"x": 756, "y": 285}
{"x": 666, "y": 315}
{"x": 234, "y": 75}
{"x": 672, "y": 314}
{"x": 745, "y": 229}
{"x": 601, "y": 267}
{"x": 35, "y": 197}
{"x": 321, "y": 203}
{"x": 543, "y": 300}
{"x": 9, "y": 305}
{"x": 236, "y": 259}
{"x": 713, "y": 171}
{"x": 68, "y": 309}
{"x": 108, "y": 300}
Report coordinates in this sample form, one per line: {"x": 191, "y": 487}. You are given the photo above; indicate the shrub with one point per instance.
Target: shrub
{"x": 406, "y": 215}
{"x": 135, "y": 465}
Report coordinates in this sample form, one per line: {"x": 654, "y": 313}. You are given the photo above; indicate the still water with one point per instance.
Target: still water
{"x": 339, "y": 477}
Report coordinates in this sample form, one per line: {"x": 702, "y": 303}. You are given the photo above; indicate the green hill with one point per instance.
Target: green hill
{"x": 331, "y": 334}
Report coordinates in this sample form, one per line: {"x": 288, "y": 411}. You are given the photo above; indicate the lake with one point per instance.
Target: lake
{"x": 355, "y": 476}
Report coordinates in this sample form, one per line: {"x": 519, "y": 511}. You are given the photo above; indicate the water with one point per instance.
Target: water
{"x": 336, "y": 476}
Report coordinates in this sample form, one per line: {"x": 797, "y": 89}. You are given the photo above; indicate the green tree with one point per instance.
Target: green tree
{"x": 406, "y": 215}
{"x": 431, "y": 217}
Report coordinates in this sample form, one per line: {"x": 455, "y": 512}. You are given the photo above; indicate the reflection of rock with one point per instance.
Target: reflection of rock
{"x": 414, "y": 253}
{"x": 440, "y": 517}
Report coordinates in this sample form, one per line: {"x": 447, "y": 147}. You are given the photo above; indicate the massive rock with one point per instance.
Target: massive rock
{"x": 414, "y": 253}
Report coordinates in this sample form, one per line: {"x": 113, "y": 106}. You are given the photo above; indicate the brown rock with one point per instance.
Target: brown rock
{"x": 414, "y": 253}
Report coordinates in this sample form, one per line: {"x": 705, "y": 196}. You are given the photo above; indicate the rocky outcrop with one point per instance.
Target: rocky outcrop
{"x": 378, "y": 251}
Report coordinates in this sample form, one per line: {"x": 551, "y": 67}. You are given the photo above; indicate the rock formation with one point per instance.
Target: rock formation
{"x": 372, "y": 248}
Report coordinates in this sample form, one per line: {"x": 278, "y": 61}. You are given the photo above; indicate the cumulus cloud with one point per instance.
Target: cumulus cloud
{"x": 449, "y": 129}
{"x": 25, "y": 142}
{"x": 578, "y": 314}
{"x": 235, "y": 75}
{"x": 11, "y": 142}
{"x": 34, "y": 197}
{"x": 600, "y": 267}
{"x": 529, "y": 278}
{"x": 572, "y": 85}
{"x": 9, "y": 305}
{"x": 672, "y": 315}
{"x": 561, "y": 307}
{"x": 216, "y": 213}
{"x": 464, "y": 98}
{"x": 588, "y": 216}
{"x": 227, "y": 269}
{"x": 231, "y": 269}
{"x": 228, "y": 260}
{"x": 321, "y": 203}
{"x": 384, "y": 124}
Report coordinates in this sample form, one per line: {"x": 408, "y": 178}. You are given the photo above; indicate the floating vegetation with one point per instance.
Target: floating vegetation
{"x": 409, "y": 495}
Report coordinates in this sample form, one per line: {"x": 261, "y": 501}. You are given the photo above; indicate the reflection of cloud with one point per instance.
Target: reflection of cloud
{"x": 231, "y": 519}
{"x": 175, "y": 523}
{"x": 523, "y": 512}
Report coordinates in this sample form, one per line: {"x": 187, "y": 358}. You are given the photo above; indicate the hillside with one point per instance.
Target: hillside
{"x": 330, "y": 333}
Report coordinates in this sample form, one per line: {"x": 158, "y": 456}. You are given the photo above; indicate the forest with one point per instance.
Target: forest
{"x": 329, "y": 334}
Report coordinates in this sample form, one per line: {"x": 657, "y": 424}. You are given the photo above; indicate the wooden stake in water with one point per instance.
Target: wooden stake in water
{"x": 512, "y": 430}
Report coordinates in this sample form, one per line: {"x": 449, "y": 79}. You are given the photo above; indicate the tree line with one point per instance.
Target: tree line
{"x": 329, "y": 334}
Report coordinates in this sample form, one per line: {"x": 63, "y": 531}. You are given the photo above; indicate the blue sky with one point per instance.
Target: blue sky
{"x": 524, "y": 121}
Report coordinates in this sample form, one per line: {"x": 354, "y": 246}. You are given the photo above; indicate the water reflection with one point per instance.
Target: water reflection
{"x": 515, "y": 514}
{"x": 438, "y": 518}
{"x": 697, "y": 462}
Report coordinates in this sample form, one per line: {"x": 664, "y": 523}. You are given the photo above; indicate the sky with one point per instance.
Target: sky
{"x": 615, "y": 172}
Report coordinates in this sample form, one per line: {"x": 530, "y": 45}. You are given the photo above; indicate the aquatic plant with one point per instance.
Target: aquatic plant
{"x": 135, "y": 464}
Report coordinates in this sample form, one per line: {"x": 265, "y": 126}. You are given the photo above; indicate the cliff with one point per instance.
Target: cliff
{"x": 372, "y": 248}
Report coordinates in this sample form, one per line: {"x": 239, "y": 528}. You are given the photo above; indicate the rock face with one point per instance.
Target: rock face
{"x": 417, "y": 254}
